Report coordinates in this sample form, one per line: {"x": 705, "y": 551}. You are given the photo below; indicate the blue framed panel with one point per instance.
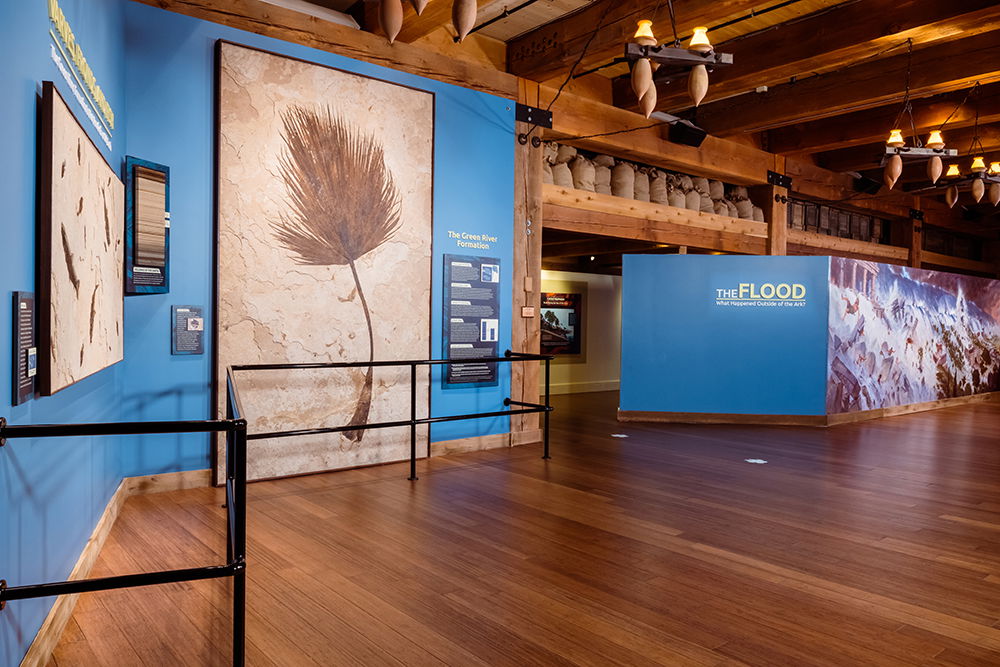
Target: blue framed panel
{"x": 147, "y": 263}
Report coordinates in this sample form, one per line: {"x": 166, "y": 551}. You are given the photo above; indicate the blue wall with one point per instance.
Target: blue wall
{"x": 156, "y": 69}
{"x": 683, "y": 351}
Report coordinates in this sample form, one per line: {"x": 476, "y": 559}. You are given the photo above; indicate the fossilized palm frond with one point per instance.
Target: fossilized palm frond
{"x": 343, "y": 201}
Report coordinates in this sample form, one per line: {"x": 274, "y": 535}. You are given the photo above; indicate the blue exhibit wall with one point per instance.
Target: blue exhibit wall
{"x": 689, "y": 348}
{"x": 52, "y": 491}
{"x": 157, "y": 70}
{"x": 170, "y": 83}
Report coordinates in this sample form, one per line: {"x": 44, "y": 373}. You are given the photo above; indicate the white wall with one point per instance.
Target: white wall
{"x": 599, "y": 367}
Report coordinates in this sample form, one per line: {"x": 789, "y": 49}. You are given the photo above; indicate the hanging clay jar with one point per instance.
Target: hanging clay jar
{"x": 978, "y": 189}
{"x": 995, "y": 194}
{"x": 418, "y": 6}
{"x": 390, "y": 16}
{"x": 951, "y": 196}
{"x": 698, "y": 84}
{"x": 642, "y": 77}
{"x": 648, "y": 102}
{"x": 934, "y": 169}
{"x": 463, "y": 16}
{"x": 893, "y": 169}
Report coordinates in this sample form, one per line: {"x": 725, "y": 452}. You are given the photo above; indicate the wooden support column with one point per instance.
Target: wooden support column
{"x": 527, "y": 274}
{"x": 776, "y": 213}
{"x": 915, "y": 232}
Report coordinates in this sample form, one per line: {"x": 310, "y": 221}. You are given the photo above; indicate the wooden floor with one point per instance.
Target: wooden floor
{"x": 867, "y": 544}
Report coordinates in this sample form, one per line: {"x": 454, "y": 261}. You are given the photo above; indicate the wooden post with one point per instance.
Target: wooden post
{"x": 776, "y": 213}
{"x": 527, "y": 274}
{"x": 915, "y": 232}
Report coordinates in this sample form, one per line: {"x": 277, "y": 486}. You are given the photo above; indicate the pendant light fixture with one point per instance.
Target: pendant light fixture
{"x": 671, "y": 62}
{"x": 980, "y": 178}
{"x": 390, "y": 16}
{"x": 896, "y": 148}
{"x": 463, "y": 16}
{"x": 642, "y": 69}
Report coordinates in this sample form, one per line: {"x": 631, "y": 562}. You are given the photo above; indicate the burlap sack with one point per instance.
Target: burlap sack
{"x": 658, "y": 187}
{"x": 623, "y": 180}
{"x": 733, "y": 212}
{"x": 602, "y": 180}
{"x": 604, "y": 161}
{"x": 719, "y": 207}
{"x": 744, "y": 209}
{"x": 717, "y": 189}
{"x": 546, "y": 172}
{"x": 583, "y": 173}
{"x": 678, "y": 199}
{"x": 641, "y": 185}
{"x": 550, "y": 151}
{"x": 758, "y": 214}
{"x": 561, "y": 175}
{"x": 565, "y": 154}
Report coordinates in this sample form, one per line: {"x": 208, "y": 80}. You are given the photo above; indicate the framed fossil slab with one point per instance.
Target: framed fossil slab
{"x": 147, "y": 227}
{"x": 80, "y": 313}
{"x": 325, "y": 191}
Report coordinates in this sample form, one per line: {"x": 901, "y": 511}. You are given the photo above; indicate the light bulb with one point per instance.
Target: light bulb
{"x": 935, "y": 140}
{"x": 895, "y": 139}
{"x": 645, "y": 31}
{"x": 994, "y": 169}
{"x": 699, "y": 41}
{"x": 953, "y": 170}
{"x": 978, "y": 164}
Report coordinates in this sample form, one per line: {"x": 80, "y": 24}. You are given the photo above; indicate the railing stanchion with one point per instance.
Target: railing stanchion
{"x": 413, "y": 422}
{"x": 240, "y": 556}
{"x": 545, "y": 417}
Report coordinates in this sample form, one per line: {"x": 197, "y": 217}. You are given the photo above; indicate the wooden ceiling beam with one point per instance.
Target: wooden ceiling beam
{"x": 873, "y": 125}
{"x": 596, "y": 247}
{"x": 936, "y": 69}
{"x": 826, "y": 40}
{"x": 551, "y": 50}
{"x": 869, "y": 156}
{"x": 292, "y": 26}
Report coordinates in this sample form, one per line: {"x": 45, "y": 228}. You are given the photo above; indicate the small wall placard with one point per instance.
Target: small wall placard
{"x": 25, "y": 366}
{"x": 187, "y": 335}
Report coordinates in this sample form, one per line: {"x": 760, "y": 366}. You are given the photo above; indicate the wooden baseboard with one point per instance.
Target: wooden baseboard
{"x": 526, "y": 437}
{"x": 40, "y": 652}
{"x": 802, "y": 420}
{"x": 714, "y": 418}
{"x": 864, "y": 415}
{"x": 474, "y": 444}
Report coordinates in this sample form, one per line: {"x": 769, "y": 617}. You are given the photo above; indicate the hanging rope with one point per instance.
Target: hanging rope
{"x": 907, "y": 107}
{"x": 975, "y": 131}
{"x": 673, "y": 20}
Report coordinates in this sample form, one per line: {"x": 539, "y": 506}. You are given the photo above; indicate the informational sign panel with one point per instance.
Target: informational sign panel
{"x": 25, "y": 365}
{"x": 562, "y": 323}
{"x": 471, "y": 318}
{"x": 187, "y": 335}
{"x": 147, "y": 227}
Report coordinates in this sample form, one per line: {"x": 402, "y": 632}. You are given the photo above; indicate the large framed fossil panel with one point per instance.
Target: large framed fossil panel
{"x": 325, "y": 194}
{"x": 80, "y": 314}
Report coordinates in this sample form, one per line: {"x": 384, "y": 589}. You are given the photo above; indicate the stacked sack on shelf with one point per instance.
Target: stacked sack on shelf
{"x": 566, "y": 167}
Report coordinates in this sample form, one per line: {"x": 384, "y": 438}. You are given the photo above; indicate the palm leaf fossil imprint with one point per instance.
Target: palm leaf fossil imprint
{"x": 342, "y": 204}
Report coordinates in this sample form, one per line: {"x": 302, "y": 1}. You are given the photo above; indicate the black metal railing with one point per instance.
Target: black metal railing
{"x": 523, "y": 408}
{"x": 235, "y": 428}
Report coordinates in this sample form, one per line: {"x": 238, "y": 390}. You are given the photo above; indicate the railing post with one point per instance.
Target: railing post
{"x": 545, "y": 418}
{"x": 413, "y": 423}
{"x": 240, "y": 576}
